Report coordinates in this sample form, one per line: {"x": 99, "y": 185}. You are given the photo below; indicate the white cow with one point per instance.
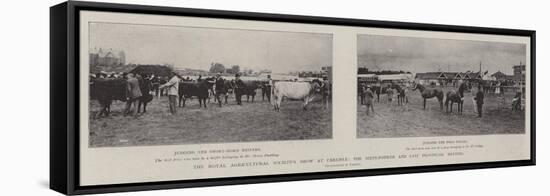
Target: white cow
{"x": 294, "y": 90}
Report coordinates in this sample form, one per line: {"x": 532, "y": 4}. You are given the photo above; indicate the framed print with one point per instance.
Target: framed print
{"x": 146, "y": 97}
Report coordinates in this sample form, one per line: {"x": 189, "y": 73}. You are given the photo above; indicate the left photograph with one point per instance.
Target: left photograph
{"x": 167, "y": 85}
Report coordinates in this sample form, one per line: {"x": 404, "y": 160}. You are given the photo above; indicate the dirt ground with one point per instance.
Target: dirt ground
{"x": 193, "y": 125}
{"x": 413, "y": 121}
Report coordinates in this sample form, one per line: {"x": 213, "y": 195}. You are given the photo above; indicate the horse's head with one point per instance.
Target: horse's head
{"x": 418, "y": 86}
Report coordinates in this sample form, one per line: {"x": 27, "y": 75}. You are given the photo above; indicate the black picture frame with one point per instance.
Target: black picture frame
{"x": 64, "y": 88}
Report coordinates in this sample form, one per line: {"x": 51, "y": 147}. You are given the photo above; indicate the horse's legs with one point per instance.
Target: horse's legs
{"x": 440, "y": 103}
{"x": 274, "y": 103}
{"x": 398, "y": 100}
{"x": 372, "y": 107}
{"x": 219, "y": 100}
{"x": 424, "y": 103}
{"x": 102, "y": 109}
{"x": 279, "y": 103}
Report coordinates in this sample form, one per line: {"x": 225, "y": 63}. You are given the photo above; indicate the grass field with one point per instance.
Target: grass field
{"x": 193, "y": 125}
{"x": 413, "y": 121}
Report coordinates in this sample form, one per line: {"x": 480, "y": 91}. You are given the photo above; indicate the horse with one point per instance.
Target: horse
{"x": 455, "y": 96}
{"x": 428, "y": 93}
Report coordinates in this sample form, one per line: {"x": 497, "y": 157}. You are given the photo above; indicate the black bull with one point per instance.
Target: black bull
{"x": 105, "y": 91}
{"x": 247, "y": 88}
{"x": 194, "y": 89}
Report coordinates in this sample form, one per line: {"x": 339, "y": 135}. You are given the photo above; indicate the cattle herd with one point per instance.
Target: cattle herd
{"x": 108, "y": 89}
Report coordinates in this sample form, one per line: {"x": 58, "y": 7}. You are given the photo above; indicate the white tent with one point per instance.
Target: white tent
{"x": 396, "y": 77}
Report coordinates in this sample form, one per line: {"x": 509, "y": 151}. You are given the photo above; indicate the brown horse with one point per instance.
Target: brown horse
{"x": 455, "y": 96}
{"x": 428, "y": 93}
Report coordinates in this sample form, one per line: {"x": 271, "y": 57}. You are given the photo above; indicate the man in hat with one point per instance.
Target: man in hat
{"x": 134, "y": 93}
{"x": 479, "y": 101}
{"x": 239, "y": 85}
{"x": 155, "y": 82}
{"x": 266, "y": 89}
{"x": 219, "y": 88}
{"x": 325, "y": 90}
{"x": 362, "y": 89}
{"x": 172, "y": 87}
{"x": 369, "y": 96}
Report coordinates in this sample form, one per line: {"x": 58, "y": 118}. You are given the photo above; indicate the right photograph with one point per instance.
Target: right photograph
{"x": 425, "y": 87}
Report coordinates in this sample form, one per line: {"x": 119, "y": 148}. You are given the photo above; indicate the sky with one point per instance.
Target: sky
{"x": 428, "y": 54}
{"x": 197, "y": 48}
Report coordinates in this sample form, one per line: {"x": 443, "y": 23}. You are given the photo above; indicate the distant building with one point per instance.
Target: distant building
{"x": 150, "y": 70}
{"x": 265, "y": 71}
{"x": 367, "y": 78}
{"x": 108, "y": 57}
{"x": 519, "y": 73}
{"x": 395, "y": 78}
{"x": 499, "y": 76}
{"x": 447, "y": 78}
{"x": 473, "y": 76}
{"x": 429, "y": 78}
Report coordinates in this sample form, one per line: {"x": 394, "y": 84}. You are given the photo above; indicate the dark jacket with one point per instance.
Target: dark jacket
{"x": 479, "y": 97}
{"x": 220, "y": 85}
